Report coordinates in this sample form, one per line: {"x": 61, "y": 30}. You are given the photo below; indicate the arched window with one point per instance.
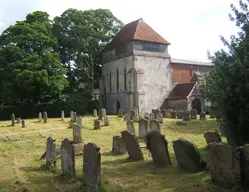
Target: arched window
{"x": 110, "y": 81}
{"x": 125, "y": 79}
{"x": 117, "y": 81}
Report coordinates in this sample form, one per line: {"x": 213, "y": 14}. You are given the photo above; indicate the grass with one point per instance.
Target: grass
{"x": 21, "y": 165}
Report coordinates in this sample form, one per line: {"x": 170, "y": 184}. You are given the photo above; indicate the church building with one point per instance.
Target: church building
{"x": 138, "y": 72}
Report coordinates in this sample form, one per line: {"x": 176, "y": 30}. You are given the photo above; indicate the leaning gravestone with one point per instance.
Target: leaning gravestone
{"x": 45, "y": 117}
{"x": 13, "y": 119}
{"x": 75, "y": 116}
{"x": 159, "y": 117}
{"x": 91, "y": 167}
{"x": 50, "y": 152}
{"x": 126, "y": 117}
{"x": 103, "y": 112}
{"x": 187, "y": 156}
{"x": 173, "y": 114}
{"x": 72, "y": 115}
{"x": 106, "y": 121}
{"x": 120, "y": 113}
{"x": 130, "y": 127}
{"x": 18, "y": 120}
{"x": 155, "y": 126}
{"x": 185, "y": 116}
{"x": 96, "y": 124}
{"x": 40, "y": 117}
{"x": 79, "y": 121}
{"x": 158, "y": 147}
{"x": 67, "y": 159}
{"x": 143, "y": 128}
{"x": 100, "y": 114}
{"x": 95, "y": 113}
{"x": 118, "y": 146}
{"x": 77, "y": 136}
{"x": 23, "y": 123}
{"x": 179, "y": 114}
{"x": 151, "y": 116}
{"x": 202, "y": 116}
{"x": 193, "y": 114}
{"x": 62, "y": 115}
{"x": 211, "y": 137}
{"x": 225, "y": 165}
{"x": 132, "y": 146}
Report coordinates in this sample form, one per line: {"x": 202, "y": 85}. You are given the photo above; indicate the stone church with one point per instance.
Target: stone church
{"x": 138, "y": 72}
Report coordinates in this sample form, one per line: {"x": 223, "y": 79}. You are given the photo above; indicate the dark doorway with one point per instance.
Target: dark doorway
{"x": 118, "y": 106}
{"x": 196, "y": 104}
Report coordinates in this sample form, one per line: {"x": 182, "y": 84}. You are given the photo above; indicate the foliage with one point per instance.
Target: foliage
{"x": 227, "y": 84}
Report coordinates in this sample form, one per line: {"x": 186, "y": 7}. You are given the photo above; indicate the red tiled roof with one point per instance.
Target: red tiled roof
{"x": 136, "y": 31}
{"x": 181, "y": 91}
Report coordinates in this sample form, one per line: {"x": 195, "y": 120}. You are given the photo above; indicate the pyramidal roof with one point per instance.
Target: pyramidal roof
{"x": 136, "y": 31}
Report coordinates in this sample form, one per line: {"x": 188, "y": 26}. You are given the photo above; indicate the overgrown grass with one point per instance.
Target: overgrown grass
{"x": 21, "y": 169}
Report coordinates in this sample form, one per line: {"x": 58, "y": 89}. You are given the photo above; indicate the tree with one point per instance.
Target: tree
{"x": 30, "y": 67}
{"x": 82, "y": 36}
{"x": 227, "y": 84}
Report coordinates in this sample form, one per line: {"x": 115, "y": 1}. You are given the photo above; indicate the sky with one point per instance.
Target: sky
{"x": 192, "y": 27}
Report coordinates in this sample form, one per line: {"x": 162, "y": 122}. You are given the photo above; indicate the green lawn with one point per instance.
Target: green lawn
{"x": 21, "y": 168}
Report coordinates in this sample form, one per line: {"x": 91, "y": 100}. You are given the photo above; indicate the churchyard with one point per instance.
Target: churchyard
{"x": 22, "y": 168}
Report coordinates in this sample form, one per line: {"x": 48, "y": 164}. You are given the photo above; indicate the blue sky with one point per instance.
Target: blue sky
{"x": 192, "y": 27}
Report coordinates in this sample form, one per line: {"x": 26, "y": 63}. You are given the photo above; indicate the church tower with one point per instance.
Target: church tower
{"x": 136, "y": 70}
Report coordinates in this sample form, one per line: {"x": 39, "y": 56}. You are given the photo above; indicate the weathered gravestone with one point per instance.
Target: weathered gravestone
{"x": 155, "y": 126}
{"x": 211, "y": 137}
{"x": 132, "y": 114}
{"x": 18, "y": 120}
{"x": 96, "y": 124}
{"x": 40, "y": 117}
{"x": 202, "y": 115}
{"x": 193, "y": 114}
{"x": 100, "y": 115}
{"x": 159, "y": 117}
{"x": 126, "y": 117}
{"x": 77, "y": 136}
{"x": 225, "y": 165}
{"x": 13, "y": 119}
{"x": 106, "y": 121}
{"x": 151, "y": 116}
{"x": 185, "y": 116}
{"x": 132, "y": 146}
{"x": 187, "y": 156}
{"x": 74, "y": 116}
{"x": 173, "y": 114}
{"x": 23, "y": 123}
{"x": 158, "y": 147}
{"x": 118, "y": 146}
{"x": 103, "y": 112}
{"x": 143, "y": 128}
{"x": 244, "y": 166}
{"x": 95, "y": 113}
{"x": 91, "y": 167}
{"x": 179, "y": 114}
{"x": 79, "y": 121}
{"x": 67, "y": 159}
{"x": 71, "y": 124}
{"x": 62, "y": 115}
{"x": 120, "y": 113}
{"x": 45, "y": 117}
{"x": 168, "y": 113}
{"x": 50, "y": 152}
{"x": 163, "y": 111}
{"x": 130, "y": 127}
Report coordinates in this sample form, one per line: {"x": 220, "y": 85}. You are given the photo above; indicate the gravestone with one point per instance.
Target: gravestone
{"x": 187, "y": 156}
{"x": 136, "y": 111}
{"x": 132, "y": 114}
{"x": 77, "y": 136}
{"x": 100, "y": 114}
{"x": 103, "y": 112}
{"x": 185, "y": 116}
{"x": 244, "y": 165}
{"x": 45, "y": 117}
{"x": 130, "y": 127}
{"x": 225, "y": 165}
{"x": 158, "y": 147}
{"x": 79, "y": 121}
{"x": 23, "y": 123}
{"x": 95, "y": 113}
{"x": 106, "y": 121}
{"x": 159, "y": 117}
{"x": 67, "y": 159}
{"x": 151, "y": 116}
{"x": 193, "y": 114}
{"x": 50, "y": 152}
{"x": 120, "y": 113}
{"x": 91, "y": 167}
{"x": 118, "y": 146}
{"x": 168, "y": 113}
{"x": 132, "y": 146}
{"x": 211, "y": 137}
{"x": 62, "y": 115}
{"x": 40, "y": 117}
{"x": 13, "y": 119}
{"x": 146, "y": 115}
{"x": 75, "y": 116}
{"x": 18, "y": 120}
{"x": 143, "y": 128}
{"x": 179, "y": 114}
{"x": 163, "y": 111}
{"x": 202, "y": 115}
{"x": 126, "y": 117}
{"x": 72, "y": 115}
{"x": 71, "y": 124}
{"x": 155, "y": 126}
{"x": 96, "y": 124}
{"x": 173, "y": 114}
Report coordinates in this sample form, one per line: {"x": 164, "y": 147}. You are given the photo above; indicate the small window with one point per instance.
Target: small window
{"x": 153, "y": 47}
{"x": 117, "y": 81}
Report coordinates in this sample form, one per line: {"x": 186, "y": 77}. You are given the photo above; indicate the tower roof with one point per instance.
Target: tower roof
{"x": 136, "y": 31}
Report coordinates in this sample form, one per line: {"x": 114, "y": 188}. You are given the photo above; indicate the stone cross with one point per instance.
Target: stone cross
{"x": 211, "y": 137}
{"x": 120, "y": 113}
{"x": 62, "y": 115}
{"x": 159, "y": 117}
{"x": 72, "y": 115}
{"x": 96, "y": 124}
{"x": 155, "y": 126}
{"x": 13, "y": 119}
{"x": 158, "y": 147}
{"x": 79, "y": 121}
{"x": 40, "y": 117}
{"x": 118, "y": 146}
{"x": 106, "y": 121}
{"x": 130, "y": 127}
{"x": 91, "y": 167}
{"x": 173, "y": 114}
{"x": 185, "y": 116}
{"x": 193, "y": 114}
{"x": 67, "y": 159}
{"x": 77, "y": 136}
{"x": 132, "y": 146}
{"x": 202, "y": 115}
{"x": 126, "y": 117}
{"x": 187, "y": 156}
{"x": 23, "y": 123}
{"x": 95, "y": 113}
{"x": 143, "y": 128}
{"x": 50, "y": 151}
{"x": 100, "y": 114}
{"x": 45, "y": 117}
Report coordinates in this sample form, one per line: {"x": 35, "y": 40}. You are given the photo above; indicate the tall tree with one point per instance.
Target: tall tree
{"x": 228, "y": 83}
{"x": 82, "y": 35}
{"x": 30, "y": 67}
